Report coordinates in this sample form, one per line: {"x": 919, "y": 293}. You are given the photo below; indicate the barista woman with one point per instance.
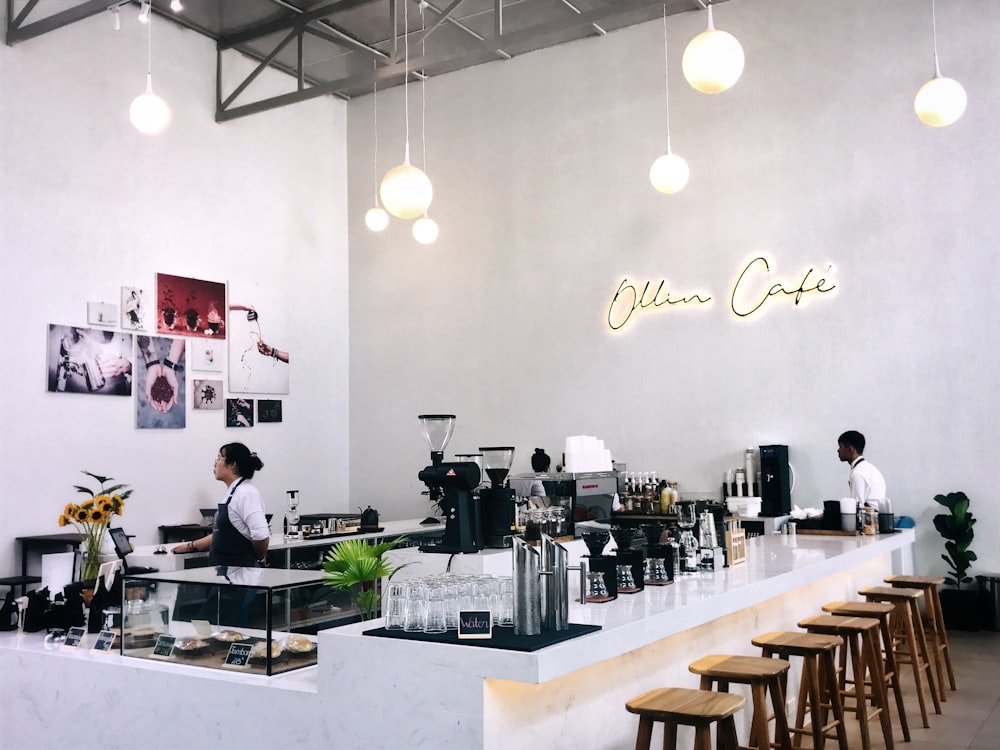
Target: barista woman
{"x": 540, "y": 463}
{"x": 239, "y": 534}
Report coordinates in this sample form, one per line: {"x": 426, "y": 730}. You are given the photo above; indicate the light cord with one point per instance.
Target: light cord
{"x": 375, "y": 101}
{"x": 423, "y": 98}
{"x": 406, "y": 78}
{"x": 666, "y": 75}
{"x": 937, "y": 66}
{"x": 149, "y": 52}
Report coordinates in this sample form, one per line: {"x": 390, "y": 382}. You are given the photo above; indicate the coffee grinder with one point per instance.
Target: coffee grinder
{"x": 497, "y": 501}
{"x": 450, "y": 487}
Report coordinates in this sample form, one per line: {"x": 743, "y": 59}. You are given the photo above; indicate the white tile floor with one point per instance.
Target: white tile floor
{"x": 970, "y": 718}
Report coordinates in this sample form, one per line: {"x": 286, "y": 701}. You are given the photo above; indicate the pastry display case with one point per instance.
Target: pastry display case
{"x": 256, "y": 620}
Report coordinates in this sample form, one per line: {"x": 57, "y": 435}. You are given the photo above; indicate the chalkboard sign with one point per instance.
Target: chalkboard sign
{"x": 105, "y": 640}
{"x": 238, "y": 656}
{"x": 74, "y": 638}
{"x": 475, "y": 623}
{"x": 164, "y": 647}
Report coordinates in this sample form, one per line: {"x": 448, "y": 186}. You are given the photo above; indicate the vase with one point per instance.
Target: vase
{"x": 91, "y": 562}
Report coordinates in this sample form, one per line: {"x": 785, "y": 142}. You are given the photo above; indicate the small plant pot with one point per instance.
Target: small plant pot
{"x": 960, "y": 608}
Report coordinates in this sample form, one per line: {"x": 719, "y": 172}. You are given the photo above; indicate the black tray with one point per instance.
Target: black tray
{"x": 503, "y": 638}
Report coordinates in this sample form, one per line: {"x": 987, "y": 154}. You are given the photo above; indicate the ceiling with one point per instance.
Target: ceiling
{"x": 344, "y": 47}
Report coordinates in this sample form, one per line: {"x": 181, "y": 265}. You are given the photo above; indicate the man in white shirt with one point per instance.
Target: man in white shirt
{"x": 866, "y": 482}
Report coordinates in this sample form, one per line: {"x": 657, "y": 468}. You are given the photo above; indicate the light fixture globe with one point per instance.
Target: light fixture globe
{"x": 149, "y": 113}
{"x": 376, "y": 219}
{"x": 425, "y": 230}
{"x": 940, "y": 102}
{"x": 669, "y": 174}
{"x": 713, "y": 61}
{"x": 406, "y": 191}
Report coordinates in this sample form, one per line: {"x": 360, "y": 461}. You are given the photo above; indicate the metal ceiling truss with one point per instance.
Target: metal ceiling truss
{"x": 360, "y": 63}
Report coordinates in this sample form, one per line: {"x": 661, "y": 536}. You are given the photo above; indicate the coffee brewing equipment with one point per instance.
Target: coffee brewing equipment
{"x": 659, "y": 569}
{"x": 776, "y": 481}
{"x": 450, "y": 486}
{"x": 629, "y": 563}
{"x": 602, "y": 580}
{"x": 541, "y": 586}
{"x": 292, "y": 516}
{"x": 496, "y": 502}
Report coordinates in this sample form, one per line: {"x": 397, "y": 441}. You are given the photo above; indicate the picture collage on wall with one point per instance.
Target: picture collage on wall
{"x": 190, "y": 324}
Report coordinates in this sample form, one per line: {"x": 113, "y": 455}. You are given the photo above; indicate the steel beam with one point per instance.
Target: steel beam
{"x": 18, "y": 32}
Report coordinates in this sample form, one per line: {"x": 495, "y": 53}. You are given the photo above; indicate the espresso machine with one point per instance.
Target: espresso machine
{"x": 450, "y": 486}
{"x": 496, "y": 502}
{"x": 775, "y": 480}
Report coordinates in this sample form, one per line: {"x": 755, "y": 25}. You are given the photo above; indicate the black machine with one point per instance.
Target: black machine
{"x": 452, "y": 485}
{"x": 775, "y": 479}
{"x": 497, "y": 507}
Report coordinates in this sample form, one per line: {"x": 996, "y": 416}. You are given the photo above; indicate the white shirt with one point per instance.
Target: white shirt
{"x": 246, "y": 512}
{"x": 866, "y": 482}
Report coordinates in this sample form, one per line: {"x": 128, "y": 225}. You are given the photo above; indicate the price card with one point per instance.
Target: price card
{"x": 105, "y": 640}
{"x": 74, "y": 637}
{"x": 164, "y": 647}
{"x": 238, "y": 656}
{"x": 475, "y": 623}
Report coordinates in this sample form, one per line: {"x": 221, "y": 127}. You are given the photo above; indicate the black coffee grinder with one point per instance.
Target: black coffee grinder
{"x": 451, "y": 486}
{"x": 497, "y": 501}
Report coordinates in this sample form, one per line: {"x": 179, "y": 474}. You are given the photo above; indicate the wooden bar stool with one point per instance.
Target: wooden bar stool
{"x": 762, "y": 675}
{"x": 909, "y": 642}
{"x": 880, "y": 612}
{"x": 818, "y": 687}
{"x": 933, "y": 623}
{"x": 693, "y": 708}
{"x": 860, "y": 636}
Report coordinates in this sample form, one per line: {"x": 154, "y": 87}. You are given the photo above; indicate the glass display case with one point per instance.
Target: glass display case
{"x": 257, "y": 620}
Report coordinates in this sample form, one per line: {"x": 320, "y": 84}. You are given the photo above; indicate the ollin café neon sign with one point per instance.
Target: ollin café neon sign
{"x": 749, "y": 295}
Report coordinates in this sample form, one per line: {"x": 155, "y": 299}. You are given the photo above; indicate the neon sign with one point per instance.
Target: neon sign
{"x": 749, "y": 294}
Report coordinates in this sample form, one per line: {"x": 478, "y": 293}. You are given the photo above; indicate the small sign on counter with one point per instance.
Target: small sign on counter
{"x": 238, "y": 656}
{"x": 74, "y": 637}
{"x": 164, "y": 646}
{"x": 105, "y": 640}
{"x": 475, "y": 623}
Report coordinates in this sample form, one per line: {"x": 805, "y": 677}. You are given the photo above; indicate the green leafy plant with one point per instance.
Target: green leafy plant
{"x": 355, "y": 566}
{"x": 957, "y": 529}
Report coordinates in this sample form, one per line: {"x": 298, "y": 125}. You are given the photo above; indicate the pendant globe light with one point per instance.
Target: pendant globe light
{"x": 669, "y": 174}
{"x": 405, "y": 190}
{"x": 376, "y": 219}
{"x": 940, "y": 101}
{"x": 425, "y": 229}
{"x": 149, "y": 113}
{"x": 713, "y": 60}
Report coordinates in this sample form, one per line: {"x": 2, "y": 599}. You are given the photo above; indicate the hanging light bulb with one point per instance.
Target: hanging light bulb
{"x": 376, "y": 219}
{"x": 405, "y": 190}
{"x": 940, "y": 101}
{"x": 425, "y": 230}
{"x": 713, "y": 60}
{"x": 176, "y": 6}
{"x": 669, "y": 173}
{"x": 144, "y": 10}
{"x": 149, "y": 113}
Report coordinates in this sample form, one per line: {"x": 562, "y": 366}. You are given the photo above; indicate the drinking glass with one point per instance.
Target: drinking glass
{"x": 416, "y": 607}
{"x": 434, "y": 618}
{"x": 395, "y": 606}
{"x": 506, "y": 618}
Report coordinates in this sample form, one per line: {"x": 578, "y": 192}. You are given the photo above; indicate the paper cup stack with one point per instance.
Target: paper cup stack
{"x": 584, "y": 453}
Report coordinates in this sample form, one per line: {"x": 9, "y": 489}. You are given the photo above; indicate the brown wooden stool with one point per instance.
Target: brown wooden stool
{"x": 909, "y": 643}
{"x": 860, "y": 636}
{"x": 934, "y": 627}
{"x": 693, "y": 708}
{"x": 880, "y": 612}
{"x": 762, "y": 675}
{"x": 818, "y": 687}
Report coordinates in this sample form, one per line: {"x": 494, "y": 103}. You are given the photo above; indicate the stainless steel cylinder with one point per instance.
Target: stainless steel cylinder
{"x": 527, "y": 589}
{"x": 555, "y": 585}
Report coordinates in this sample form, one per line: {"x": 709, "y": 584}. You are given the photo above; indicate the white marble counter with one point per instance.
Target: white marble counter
{"x": 382, "y": 693}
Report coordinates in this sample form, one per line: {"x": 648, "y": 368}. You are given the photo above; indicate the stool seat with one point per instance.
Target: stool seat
{"x": 860, "y": 636}
{"x": 934, "y": 627}
{"x": 763, "y": 675}
{"x": 681, "y": 706}
{"x": 794, "y": 643}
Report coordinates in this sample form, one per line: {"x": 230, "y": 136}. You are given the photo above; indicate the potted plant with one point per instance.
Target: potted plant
{"x": 355, "y": 566}
{"x": 959, "y": 606}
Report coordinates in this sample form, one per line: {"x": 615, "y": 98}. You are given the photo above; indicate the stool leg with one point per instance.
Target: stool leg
{"x": 903, "y": 630}
{"x": 829, "y": 685}
{"x": 670, "y": 736}
{"x": 809, "y": 692}
{"x": 645, "y": 734}
{"x": 918, "y": 628}
{"x": 760, "y": 734}
{"x": 935, "y": 602}
{"x": 858, "y": 667}
{"x": 702, "y": 738}
{"x": 727, "y": 735}
{"x": 782, "y": 737}
{"x": 879, "y": 698}
{"x": 892, "y": 673}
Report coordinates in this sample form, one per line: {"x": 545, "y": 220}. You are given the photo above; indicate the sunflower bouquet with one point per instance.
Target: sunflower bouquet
{"x": 93, "y": 516}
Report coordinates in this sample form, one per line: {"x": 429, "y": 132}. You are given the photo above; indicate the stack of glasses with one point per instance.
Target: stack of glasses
{"x": 431, "y": 604}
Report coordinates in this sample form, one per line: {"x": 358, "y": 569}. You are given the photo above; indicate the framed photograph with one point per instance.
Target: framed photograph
{"x": 190, "y": 307}
{"x": 239, "y": 412}
{"x": 207, "y": 355}
{"x": 268, "y": 410}
{"x": 161, "y": 383}
{"x": 258, "y": 354}
{"x": 207, "y": 395}
{"x": 89, "y": 360}
{"x": 133, "y": 309}
{"x": 102, "y": 314}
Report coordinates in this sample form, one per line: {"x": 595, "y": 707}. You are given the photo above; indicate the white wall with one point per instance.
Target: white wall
{"x": 90, "y": 205}
{"x": 815, "y": 157}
